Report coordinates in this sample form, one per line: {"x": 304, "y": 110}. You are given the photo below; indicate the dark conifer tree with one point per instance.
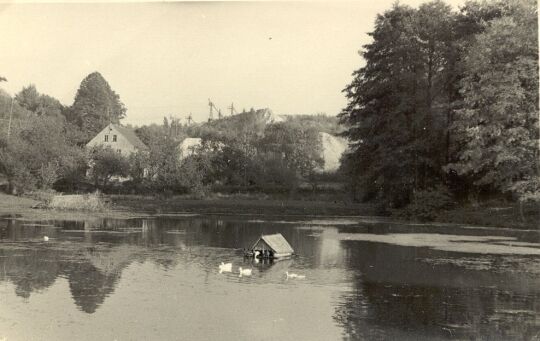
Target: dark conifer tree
{"x": 95, "y": 106}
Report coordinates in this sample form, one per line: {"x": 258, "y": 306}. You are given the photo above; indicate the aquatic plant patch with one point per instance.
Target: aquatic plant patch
{"x": 492, "y": 263}
{"x": 449, "y": 242}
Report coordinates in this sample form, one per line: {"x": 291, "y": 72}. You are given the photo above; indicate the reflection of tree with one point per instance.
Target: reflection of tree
{"x": 95, "y": 278}
{"x": 89, "y": 286}
{"x": 397, "y": 297}
{"x": 29, "y": 271}
{"x": 92, "y": 275}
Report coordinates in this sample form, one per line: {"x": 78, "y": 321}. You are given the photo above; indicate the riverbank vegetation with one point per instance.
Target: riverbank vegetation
{"x": 445, "y": 110}
{"x": 251, "y": 151}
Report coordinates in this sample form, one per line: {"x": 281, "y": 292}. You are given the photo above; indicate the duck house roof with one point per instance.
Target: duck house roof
{"x": 276, "y": 242}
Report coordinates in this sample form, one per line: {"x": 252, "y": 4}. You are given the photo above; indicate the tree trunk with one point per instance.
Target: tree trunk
{"x": 448, "y": 123}
{"x": 521, "y": 214}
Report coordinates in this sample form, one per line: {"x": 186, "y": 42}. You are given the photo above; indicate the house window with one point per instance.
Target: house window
{"x": 114, "y": 138}
{"x": 119, "y": 151}
{"x": 106, "y": 138}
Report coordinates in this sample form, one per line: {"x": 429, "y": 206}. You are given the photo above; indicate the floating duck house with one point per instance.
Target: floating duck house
{"x": 275, "y": 243}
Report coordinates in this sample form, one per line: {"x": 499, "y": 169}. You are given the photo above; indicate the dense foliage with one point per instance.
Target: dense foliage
{"x": 37, "y": 154}
{"x": 446, "y": 101}
{"x": 95, "y": 106}
{"x": 106, "y": 164}
{"x": 45, "y": 147}
{"x": 242, "y": 152}
{"x": 42, "y": 141}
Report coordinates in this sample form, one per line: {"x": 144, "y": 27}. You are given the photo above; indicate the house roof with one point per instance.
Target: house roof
{"x": 277, "y": 242}
{"x": 130, "y": 136}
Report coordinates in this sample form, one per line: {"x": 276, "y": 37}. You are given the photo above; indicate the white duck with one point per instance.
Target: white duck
{"x": 244, "y": 272}
{"x": 225, "y": 267}
{"x": 291, "y": 275}
{"x": 45, "y": 239}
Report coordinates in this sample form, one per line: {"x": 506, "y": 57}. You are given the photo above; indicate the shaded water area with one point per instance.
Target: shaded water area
{"x": 365, "y": 278}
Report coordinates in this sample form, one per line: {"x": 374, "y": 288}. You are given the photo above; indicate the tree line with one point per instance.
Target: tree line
{"x": 42, "y": 141}
{"x": 446, "y": 105}
{"x": 248, "y": 151}
{"x": 46, "y": 147}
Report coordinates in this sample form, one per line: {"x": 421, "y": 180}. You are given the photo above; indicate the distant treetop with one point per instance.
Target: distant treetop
{"x": 95, "y": 105}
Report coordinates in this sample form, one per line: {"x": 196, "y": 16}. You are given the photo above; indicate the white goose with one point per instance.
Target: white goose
{"x": 244, "y": 272}
{"x": 294, "y": 275}
{"x": 225, "y": 267}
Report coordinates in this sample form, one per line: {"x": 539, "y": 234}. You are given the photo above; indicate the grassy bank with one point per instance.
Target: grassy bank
{"x": 22, "y": 206}
{"x": 240, "y": 204}
{"x": 129, "y": 206}
{"x": 495, "y": 214}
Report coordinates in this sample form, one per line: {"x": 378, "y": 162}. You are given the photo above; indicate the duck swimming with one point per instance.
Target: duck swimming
{"x": 244, "y": 272}
{"x": 291, "y": 275}
{"x": 225, "y": 267}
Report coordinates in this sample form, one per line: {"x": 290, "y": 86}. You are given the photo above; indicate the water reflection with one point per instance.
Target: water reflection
{"x": 354, "y": 289}
{"x": 396, "y": 295}
{"x": 91, "y": 254}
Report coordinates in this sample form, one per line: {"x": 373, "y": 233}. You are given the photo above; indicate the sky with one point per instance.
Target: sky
{"x": 167, "y": 59}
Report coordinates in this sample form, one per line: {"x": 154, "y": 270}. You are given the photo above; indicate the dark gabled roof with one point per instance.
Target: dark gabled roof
{"x": 277, "y": 242}
{"x": 130, "y": 136}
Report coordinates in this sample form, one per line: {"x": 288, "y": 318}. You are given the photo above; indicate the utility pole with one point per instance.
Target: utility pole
{"x": 10, "y": 116}
{"x": 220, "y": 116}
{"x": 232, "y": 109}
{"x": 211, "y": 105}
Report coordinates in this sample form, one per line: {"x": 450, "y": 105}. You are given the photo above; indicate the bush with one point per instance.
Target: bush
{"x": 199, "y": 191}
{"x": 22, "y": 181}
{"x": 106, "y": 165}
{"x": 84, "y": 202}
{"x": 48, "y": 175}
{"x": 426, "y": 205}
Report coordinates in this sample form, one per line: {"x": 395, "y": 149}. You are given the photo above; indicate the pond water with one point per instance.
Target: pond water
{"x": 365, "y": 278}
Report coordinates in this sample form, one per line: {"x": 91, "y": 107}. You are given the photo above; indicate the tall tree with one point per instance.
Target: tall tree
{"x": 497, "y": 127}
{"x": 28, "y": 98}
{"x": 40, "y": 104}
{"x": 37, "y": 153}
{"x": 95, "y": 105}
{"x": 381, "y": 114}
{"x": 401, "y": 102}
{"x": 438, "y": 52}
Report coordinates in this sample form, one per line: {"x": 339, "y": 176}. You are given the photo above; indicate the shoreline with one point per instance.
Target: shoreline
{"x": 135, "y": 206}
{"x": 241, "y": 206}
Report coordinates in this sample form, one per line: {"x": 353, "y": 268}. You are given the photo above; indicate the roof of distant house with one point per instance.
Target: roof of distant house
{"x": 130, "y": 135}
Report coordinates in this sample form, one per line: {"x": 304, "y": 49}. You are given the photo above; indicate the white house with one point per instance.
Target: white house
{"x": 194, "y": 145}
{"x": 189, "y": 146}
{"x": 120, "y": 139}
